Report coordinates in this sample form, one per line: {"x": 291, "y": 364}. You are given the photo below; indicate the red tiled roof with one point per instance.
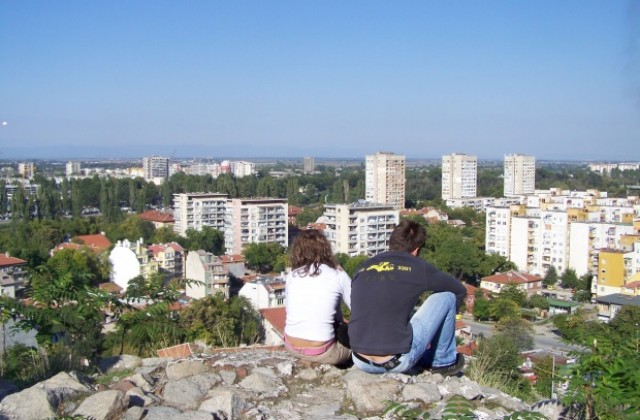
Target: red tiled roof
{"x": 232, "y": 258}
{"x": 276, "y": 317}
{"x": 94, "y": 241}
{"x": 633, "y": 285}
{"x": 471, "y": 290}
{"x": 110, "y": 287}
{"x": 156, "y": 216}
{"x": 295, "y": 210}
{"x": 467, "y": 349}
{"x": 512, "y": 277}
{"x": 6, "y": 261}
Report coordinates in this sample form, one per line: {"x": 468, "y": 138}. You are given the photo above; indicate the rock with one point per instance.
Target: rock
{"x": 186, "y": 368}
{"x": 32, "y": 403}
{"x": 6, "y": 388}
{"x": 122, "y": 362}
{"x": 370, "y": 393}
{"x": 106, "y": 405}
{"x": 187, "y": 393}
{"x": 426, "y": 392}
{"x": 225, "y": 402}
{"x": 162, "y": 413}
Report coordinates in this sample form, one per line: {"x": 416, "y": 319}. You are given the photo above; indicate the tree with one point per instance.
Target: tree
{"x": 481, "y": 307}
{"x": 208, "y": 239}
{"x": 262, "y": 256}
{"x": 538, "y": 301}
{"x": 551, "y": 278}
{"x": 514, "y": 293}
{"x": 518, "y": 329}
{"x": 504, "y": 308}
{"x": 220, "y": 322}
{"x": 569, "y": 279}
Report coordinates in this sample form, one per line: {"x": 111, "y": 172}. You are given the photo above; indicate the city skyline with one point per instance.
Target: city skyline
{"x": 558, "y": 81}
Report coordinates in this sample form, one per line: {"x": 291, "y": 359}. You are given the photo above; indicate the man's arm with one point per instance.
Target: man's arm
{"x": 440, "y": 281}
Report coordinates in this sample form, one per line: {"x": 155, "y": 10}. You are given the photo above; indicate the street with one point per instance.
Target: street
{"x": 543, "y": 337}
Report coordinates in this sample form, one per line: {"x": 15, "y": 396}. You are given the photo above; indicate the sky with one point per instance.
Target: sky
{"x": 559, "y": 80}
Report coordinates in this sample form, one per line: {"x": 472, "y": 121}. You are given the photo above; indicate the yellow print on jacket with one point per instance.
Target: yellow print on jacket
{"x": 383, "y": 266}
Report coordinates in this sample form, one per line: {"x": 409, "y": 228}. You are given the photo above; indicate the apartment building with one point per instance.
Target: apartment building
{"x": 385, "y": 179}
{"x": 459, "y": 176}
{"x": 73, "y": 168}
{"x": 129, "y": 260}
{"x": 13, "y": 276}
{"x": 170, "y": 258}
{"x": 209, "y": 272}
{"x": 519, "y": 175}
{"x": 309, "y": 165}
{"x": 564, "y": 229}
{"x": 155, "y": 168}
{"x": 242, "y": 168}
{"x": 360, "y": 228}
{"x": 255, "y": 220}
{"x": 27, "y": 170}
{"x": 196, "y": 210}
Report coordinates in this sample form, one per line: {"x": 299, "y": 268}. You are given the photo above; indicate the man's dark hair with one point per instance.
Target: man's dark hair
{"x": 407, "y": 236}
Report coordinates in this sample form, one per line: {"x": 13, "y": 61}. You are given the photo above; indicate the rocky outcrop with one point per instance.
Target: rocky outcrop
{"x": 249, "y": 384}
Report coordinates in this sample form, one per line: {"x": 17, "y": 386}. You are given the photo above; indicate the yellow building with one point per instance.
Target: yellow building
{"x": 610, "y": 277}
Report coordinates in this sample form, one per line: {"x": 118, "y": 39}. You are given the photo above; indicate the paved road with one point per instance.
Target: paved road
{"x": 543, "y": 337}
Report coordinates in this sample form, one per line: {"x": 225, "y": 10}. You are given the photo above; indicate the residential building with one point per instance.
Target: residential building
{"x": 197, "y": 210}
{"x": 610, "y": 305}
{"x": 360, "y": 228}
{"x": 273, "y": 322}
{"x": 264, "y": 292}
{"x": 170, "y": 258}
{"x": 385, "y": 179}
{"x": 254, "y": 220}
{"x": 209, "y": 273}
{"x": 13, "y": 272}
{"x": 519, "y": 175}
{"x": 564, "y": 229}
{"x": 242, "y": 168}
{"x": 129, "y": 260}
{"x": 158, "y": 218}
{"x": 73, "y": 168}
{"x": 309, "y": 165}
{"x": 156, "y": 168}
{"x": 27, "y": 170}
{"x": 459, "y": 176}
{"x": 530, "y": 284}
{"x": 98, "y": 243}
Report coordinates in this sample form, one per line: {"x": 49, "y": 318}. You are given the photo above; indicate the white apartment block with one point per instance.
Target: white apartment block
{"x": 385, "y": 179}
{"x": 72, "y": 168}
{"x": 459, "y": 176}
{"x": 519, "y": 175}
{"x": 309, "y": 165}
{"x": 563, "y": 229}
{"x": 196, "y": 210}
{"x": 208, "y": 271}
{"x": 242, "y": 168}
{"x": 27, "y": 170}
{"x": 255, "y": 220}
{"x": 360, "y": 228}
{"x": 603, "y": 168}
{"x": 155, "y": 168}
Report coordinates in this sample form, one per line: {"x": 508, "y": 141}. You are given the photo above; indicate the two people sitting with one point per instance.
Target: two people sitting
{"x": 384, "y": 335}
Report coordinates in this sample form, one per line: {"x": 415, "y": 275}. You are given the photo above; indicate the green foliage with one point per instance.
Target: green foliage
{"x": 501, "y": 308}
{"x": 220, "y": 322}
{"x": 525, "y": 415}
{"x": 538, "y": 301}
{"x": 569, "y": 279}
{"x": 481, "y": 307}
{"x": 551, "y": 278}
{"x": 262, "y": 256}
{"x": 396, "y": 410}
{"x": 496, "y": 365}
{"x": 543, "y": 369}
{"x": 309, "y": 215}
{"x": 458, "y": 408}
{"x": 208, "y": 238}
{"x": 514, "y": 293}
{"x": 520, "y": 331}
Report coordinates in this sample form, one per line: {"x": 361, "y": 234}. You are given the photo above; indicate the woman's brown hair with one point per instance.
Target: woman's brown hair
{"x": 311, "y": 249}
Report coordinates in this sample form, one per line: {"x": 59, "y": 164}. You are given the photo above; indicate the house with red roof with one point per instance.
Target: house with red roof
{"x": 273, "y": 321}
{"x": 97, "y": 243}
{"x": 12, "y": 275}
{"x": 528, "y": 283}
{"x": 158, "y": 218}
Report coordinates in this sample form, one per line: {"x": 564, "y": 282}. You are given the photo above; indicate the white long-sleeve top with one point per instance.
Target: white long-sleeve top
{"x": 313, "y": 302}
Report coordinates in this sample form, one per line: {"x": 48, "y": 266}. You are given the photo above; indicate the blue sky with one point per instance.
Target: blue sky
{"x": 554, "y": 79}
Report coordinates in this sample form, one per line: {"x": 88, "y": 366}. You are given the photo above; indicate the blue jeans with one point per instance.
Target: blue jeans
{"x": 433, "y": 323}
